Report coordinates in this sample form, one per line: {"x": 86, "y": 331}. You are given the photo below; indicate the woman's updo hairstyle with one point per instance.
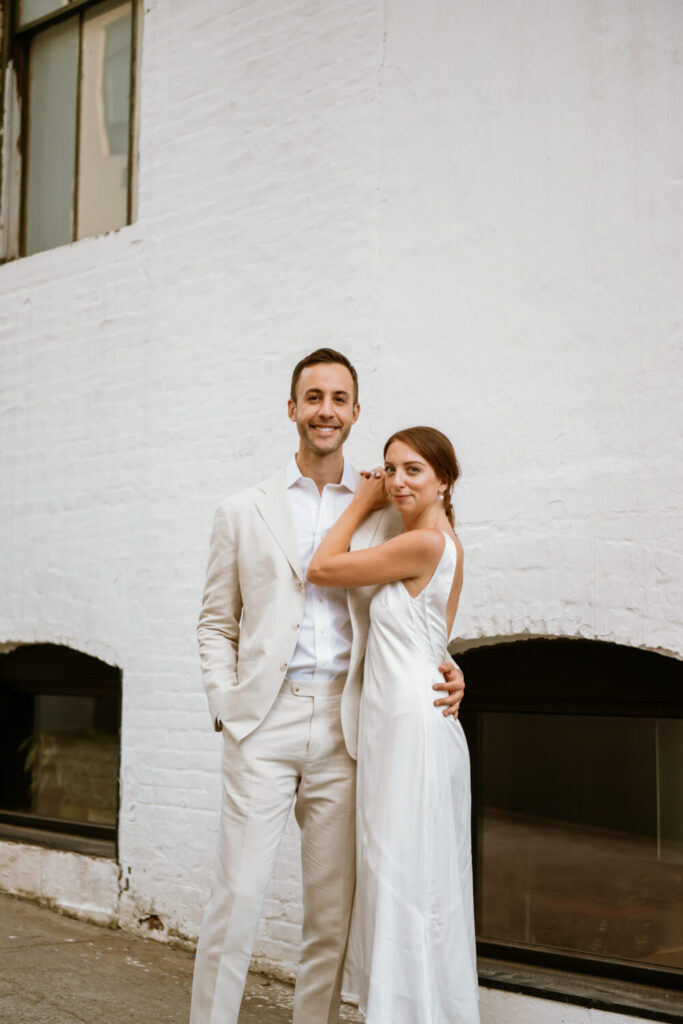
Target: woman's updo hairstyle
{"x": 438, "y": 451}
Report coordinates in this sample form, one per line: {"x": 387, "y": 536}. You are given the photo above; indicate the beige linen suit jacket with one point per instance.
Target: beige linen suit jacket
{"x": 253, "y": 604}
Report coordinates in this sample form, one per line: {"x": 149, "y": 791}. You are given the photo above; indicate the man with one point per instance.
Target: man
{"x": 282, "y": 667}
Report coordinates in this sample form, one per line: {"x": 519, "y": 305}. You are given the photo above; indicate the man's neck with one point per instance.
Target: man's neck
{"x": 322, "y": 469}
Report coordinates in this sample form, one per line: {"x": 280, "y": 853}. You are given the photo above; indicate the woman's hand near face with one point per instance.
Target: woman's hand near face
{"x": 370, "y": 492}
{"x": 332, "y": 554}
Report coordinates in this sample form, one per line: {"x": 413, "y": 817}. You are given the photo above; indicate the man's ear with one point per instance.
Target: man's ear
{"x": 291, "y": 410}
{"x": 356, "y": 412}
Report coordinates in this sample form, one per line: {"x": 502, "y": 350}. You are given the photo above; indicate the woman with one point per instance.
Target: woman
{"x": 414, "y": 884}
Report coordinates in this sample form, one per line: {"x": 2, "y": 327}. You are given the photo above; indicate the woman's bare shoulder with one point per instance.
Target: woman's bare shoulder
{"x": 427, "y": 539}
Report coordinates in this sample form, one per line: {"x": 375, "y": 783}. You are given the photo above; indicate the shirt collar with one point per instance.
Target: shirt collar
{"x": 348, "y": 481}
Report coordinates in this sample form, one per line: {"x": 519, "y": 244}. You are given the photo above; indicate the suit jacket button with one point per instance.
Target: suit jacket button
{"x": 283, "y": 666}
{"x": 299, "y": 585}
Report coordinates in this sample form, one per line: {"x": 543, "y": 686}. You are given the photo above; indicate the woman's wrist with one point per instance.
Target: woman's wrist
{"x": 360, "y": 506}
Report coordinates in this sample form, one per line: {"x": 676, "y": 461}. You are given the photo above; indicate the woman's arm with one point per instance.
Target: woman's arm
{"x": 408, "y": 556}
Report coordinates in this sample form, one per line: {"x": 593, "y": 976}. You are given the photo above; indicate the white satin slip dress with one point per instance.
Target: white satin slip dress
{"x": 414, "y": 925}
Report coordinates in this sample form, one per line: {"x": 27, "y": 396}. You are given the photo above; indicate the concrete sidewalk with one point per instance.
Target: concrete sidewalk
{"x": 56, "y": 970}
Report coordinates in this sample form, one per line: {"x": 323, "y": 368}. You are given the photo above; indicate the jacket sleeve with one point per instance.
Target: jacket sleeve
{"x": 218, "y": 628}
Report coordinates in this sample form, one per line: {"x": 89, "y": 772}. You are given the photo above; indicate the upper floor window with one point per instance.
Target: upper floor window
{"x": 68, "y": 70}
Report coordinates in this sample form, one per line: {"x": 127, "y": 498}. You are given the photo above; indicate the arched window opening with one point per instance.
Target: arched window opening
{"x": 60, "y": 723}
{"x": 577, "y": 765}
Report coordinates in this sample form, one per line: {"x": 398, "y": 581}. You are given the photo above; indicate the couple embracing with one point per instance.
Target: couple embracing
{"x": 323, "y": 635}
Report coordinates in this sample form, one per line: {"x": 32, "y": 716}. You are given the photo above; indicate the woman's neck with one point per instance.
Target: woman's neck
{"x": 429, "y": 519}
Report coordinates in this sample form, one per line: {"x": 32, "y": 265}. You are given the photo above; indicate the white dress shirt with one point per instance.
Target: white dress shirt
{"x": 324, "y": 646}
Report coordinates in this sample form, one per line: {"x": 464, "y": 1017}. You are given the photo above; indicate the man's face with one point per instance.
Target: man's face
{"x": 324, "y": 411}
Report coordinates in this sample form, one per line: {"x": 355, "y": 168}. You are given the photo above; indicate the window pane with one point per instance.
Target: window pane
{"x": 60, "y": 757}
{"x": 581, "y": 835}
{"x": 105, "y": 96}
{"x": 29, "y": 10}
{"x": 52, "y": 137}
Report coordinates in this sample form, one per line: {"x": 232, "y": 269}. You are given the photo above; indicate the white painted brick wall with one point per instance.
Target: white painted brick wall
{"x": 86, "y": 887}
{"x": 480, "y": 204}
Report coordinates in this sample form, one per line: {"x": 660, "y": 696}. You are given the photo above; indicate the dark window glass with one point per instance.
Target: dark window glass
{"x": 581, "y": 839}
{"x": 59, "y": 740}
{"x": 577, "y": 761}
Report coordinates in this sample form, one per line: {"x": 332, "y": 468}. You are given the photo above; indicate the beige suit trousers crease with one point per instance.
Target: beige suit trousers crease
{"x": 297, "y": 755}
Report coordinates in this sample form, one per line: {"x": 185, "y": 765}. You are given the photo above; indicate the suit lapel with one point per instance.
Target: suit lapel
{"x": 273, "y": 505}
{"x": 375, "y": 529}
{"x": 364, "y": 535}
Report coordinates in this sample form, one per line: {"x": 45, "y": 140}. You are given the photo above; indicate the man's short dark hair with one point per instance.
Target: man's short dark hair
{"x": 323, "y": 355}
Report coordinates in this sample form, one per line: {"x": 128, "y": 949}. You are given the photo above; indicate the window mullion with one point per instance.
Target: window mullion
{"x": 77, "y": 158}
{"x": 25, "y": 74}
{"x": 132, "y": 120}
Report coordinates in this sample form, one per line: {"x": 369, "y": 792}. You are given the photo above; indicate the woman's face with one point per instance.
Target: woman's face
{"x": 410, "y": 481}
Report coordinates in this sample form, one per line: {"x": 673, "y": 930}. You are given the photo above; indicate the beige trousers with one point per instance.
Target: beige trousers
{"x": 297, "y": 755}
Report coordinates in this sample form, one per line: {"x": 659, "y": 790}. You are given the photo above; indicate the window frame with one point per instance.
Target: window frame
{"x": 520, "y": 687}
{"x": 15, "y": 49}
